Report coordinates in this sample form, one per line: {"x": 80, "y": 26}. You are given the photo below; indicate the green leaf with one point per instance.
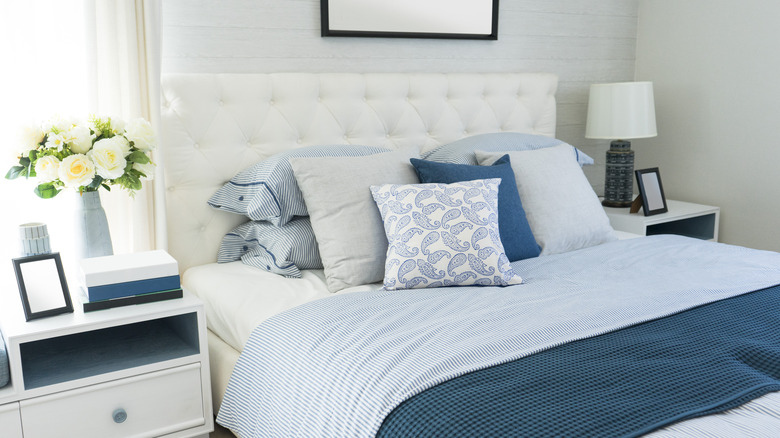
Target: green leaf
{"x": 97, "y": 181}
{"x": 15, "y": 172}
{"x": 33, "y": 155}
{"x": 106, "y": 186}
{"x": 46, "y": 191}
{"x": 138, "y": 157}
{"x": 132, "y": 182}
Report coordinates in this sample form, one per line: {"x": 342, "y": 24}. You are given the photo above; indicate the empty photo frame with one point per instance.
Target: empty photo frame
{"x": 651, "y": 191}
{"x": 42, "y": 286}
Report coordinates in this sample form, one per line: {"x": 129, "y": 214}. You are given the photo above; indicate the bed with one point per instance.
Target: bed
{"x": 291, "y": 380}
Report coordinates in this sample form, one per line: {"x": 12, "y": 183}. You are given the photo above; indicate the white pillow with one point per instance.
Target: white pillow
{"x": 346, "y": 223}
{"x": 562, "y": 209}
{"x": 443, "y": 235}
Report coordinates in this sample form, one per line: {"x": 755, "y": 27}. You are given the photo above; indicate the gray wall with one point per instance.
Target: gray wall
{"x": 582, "y": 41}
{"x": 714, "y": 64}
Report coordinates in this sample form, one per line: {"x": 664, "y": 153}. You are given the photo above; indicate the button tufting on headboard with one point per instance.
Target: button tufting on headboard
{"x": 214, "y": 125}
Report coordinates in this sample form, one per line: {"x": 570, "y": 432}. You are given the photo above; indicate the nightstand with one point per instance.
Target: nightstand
{"x": 138, "y": 370}
{"x": 683, "y": 218}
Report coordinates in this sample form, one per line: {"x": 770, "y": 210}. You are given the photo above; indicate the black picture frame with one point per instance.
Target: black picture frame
{"x": 42, "y": 286}
{"x": 651, "y": 190}
{"x": 326, "y": 6}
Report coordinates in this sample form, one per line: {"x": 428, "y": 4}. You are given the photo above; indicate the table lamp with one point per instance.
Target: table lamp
{"x": 619, "y": 112}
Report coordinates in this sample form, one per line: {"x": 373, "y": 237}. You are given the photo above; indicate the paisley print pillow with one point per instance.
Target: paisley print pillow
{"x": 443, "y": 235}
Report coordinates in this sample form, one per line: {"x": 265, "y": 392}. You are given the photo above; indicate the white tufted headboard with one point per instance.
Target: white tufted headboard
{"x": 214, "y": 125}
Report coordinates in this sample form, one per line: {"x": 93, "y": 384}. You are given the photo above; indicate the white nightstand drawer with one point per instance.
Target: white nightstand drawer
{"x": 10, "y": 423}
{"x": 154, "y": 404}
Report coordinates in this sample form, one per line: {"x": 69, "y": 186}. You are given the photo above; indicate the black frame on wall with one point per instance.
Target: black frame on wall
{"x": 328, "y": 32}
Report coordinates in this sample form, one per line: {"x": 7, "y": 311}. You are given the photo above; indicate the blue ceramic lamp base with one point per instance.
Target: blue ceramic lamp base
{"x": 619, "y": 180}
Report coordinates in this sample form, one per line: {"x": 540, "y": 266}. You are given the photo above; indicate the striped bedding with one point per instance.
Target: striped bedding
{"x": 338, "y": 367}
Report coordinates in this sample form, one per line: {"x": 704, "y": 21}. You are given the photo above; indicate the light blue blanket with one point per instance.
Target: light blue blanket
{"x": 337, "y": 367}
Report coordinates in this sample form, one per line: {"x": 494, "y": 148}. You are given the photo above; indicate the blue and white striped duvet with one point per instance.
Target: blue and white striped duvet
{"x": 337, "y": 367}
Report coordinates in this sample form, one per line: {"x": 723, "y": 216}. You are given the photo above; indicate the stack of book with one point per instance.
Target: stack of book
{"x": 126, "y": 279}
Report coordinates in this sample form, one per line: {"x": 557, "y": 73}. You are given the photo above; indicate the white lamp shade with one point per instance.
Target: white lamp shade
{"x": 621, "y": 110}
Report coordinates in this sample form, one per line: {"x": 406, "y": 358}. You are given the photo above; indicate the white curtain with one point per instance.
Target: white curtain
{"x": 123, "y": 54}
{"x": 43, "y": 74}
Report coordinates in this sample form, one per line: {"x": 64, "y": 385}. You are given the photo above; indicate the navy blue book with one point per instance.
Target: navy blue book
{"x": 91, "y": 306}
{"x": 131, "y": 288}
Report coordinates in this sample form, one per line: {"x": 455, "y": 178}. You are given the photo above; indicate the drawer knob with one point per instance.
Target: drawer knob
{"x": 119, "y": 415}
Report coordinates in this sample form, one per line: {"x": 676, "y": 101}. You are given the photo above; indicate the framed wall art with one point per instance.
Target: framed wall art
{"x": 456, "y": 19}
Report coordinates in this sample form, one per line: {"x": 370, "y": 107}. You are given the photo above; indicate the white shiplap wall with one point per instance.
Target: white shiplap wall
{"x": 583, "y": 41}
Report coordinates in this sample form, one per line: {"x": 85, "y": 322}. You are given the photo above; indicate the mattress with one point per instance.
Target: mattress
{"x": 238, "y": 297}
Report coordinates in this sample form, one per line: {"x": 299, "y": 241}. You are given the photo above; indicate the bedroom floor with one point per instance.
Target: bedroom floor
{"x": 220, "y": 432}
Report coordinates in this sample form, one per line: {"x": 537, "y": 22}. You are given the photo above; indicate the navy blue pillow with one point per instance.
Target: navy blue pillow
{"x": 513, "y": 228}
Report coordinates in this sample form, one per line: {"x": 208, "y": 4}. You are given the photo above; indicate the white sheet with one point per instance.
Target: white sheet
{"x": 239, "y": 297}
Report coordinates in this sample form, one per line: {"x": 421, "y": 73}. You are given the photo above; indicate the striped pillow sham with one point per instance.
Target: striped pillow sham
{"x": 283, "y": 250}
{"x": 268, "y": 190}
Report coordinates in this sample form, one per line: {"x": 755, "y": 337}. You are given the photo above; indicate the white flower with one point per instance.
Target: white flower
{"x": 91, "y": 125}
{"x": 47, "y": 168}
{"x": 57, "y": 124}
{"x": 147, "y": 169}
{"x": 79, "y": 139}
{"x": 76, "y": 171}
{"x": 30, "y": 137}
{"x": 109, "y": 159}
{"x": 140, "y": 132}
{"x": 55, "y": 141}
{"x": 117, "y": 125}
{"x": 122, "y": 143}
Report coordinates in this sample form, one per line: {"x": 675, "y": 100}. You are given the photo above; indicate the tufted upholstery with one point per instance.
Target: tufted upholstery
{"x": 214, "y": 125}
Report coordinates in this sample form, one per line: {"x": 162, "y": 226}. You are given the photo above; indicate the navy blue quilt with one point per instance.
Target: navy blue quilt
{"x": 622, "y": 384}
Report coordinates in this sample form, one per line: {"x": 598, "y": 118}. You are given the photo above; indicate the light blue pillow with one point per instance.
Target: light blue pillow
{"x": 283, "y": 250}
{"x": 4, "y": 373}
{"x": 462, "y": 151}
{"x": 268, "y": 190}
{"x": 443, "y": 235}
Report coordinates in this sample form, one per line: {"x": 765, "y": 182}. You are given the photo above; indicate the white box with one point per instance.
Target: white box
{"x": 123, "y": 268}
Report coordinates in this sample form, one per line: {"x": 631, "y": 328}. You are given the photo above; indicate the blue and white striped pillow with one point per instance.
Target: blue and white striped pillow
{"x": 443, "y": 235}
{"x": 268, "y": 190}
{"x": 283, "y": 250}
{"x": 462, "y": 151}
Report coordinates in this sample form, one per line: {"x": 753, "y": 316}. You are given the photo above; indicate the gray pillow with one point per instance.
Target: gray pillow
{"x": 348, "y": 227}
{"x": 561, "y": 207}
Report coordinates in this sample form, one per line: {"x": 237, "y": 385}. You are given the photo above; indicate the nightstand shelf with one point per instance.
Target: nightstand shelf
{"x": 135, "y": 370}
{"x": 683, "y": 218}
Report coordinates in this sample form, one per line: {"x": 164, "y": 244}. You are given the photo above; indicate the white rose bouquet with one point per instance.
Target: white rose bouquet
{"x": 84, "y": 157}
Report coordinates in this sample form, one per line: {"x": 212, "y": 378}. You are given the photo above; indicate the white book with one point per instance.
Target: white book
{"x": 123, "y": 268}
